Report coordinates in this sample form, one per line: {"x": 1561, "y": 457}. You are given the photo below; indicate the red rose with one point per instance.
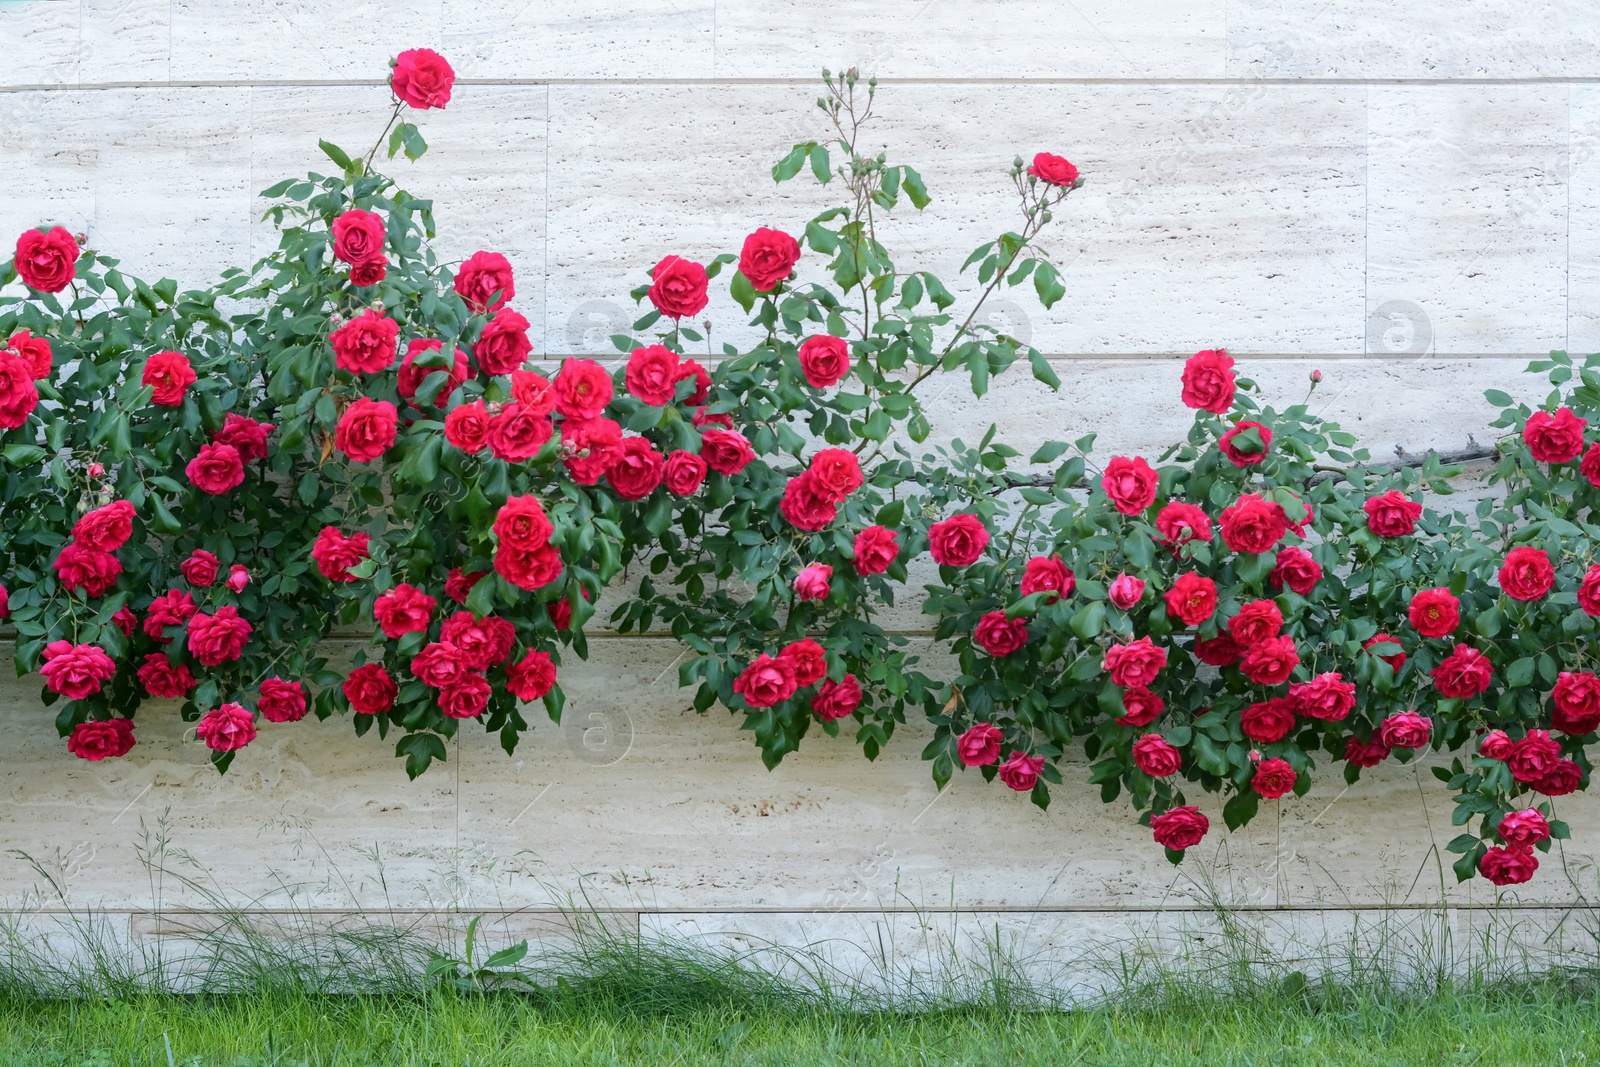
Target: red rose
{"x": 163, "y": 680}
{"x": 1391, "y": 514}
{"x": 1565, "y": 777}
{"x": 335, "y": 554}
{"x": 875, "y": 549}
{"x": 35, "y": 352}
{"x": 824, "y": 360}
{"x": 122, "y": 618}
{"x": 980, "y": 745}
{"x": 166, "y": 611}
{"x": 1268, "y": 721}
{"x": 768, "y": 257}
{"x": 1466, "y": 672}
{"x": 105, "y": 529}
{"x": 1508, "y": 866}
{"x": 83, "y": 568}
{"x": 1527, "y": 573}
{"x": 1192, "y": 598}
{"x": 517, "y": 434}
{"x": 766, "y": 681}
{"x": 685, "y": 472}
{"x": 467, "y": 426}
{"x": 1208, "y": 381}
{"x": 228, "y": 728}
{"x": 1533, "y": 757}
{"x": 528, "y": 570}
{"x": 218, "y": 638}
{"x": 1395, "y": 660}
{"x": 76, "y": 671}
{"x": 458, "y": 586}
{"x": 1125, "y": 591}
{"x": 1245, "y": 453}
{"x": 592, "y": 445}
{"x": 247, "y": 435}
{"x": 368, "y": 272}
{"x": 1180, "y": 523}
{"x": 1576, "y": 703}
{"x": 1021, "y": 772}
{"x": 678, "y": 287}
{"x": 521, "y": 524}
{"x": 807, "y": 660}
{"x": 1253, "y": 524}
{"x": 1590, "y": 467}
{"x": 200, "y": 569}
{"x": 1053, "y": 170}
{"x": 439, "y": 664}
{"x": 637, "y": 470}
{"x": 726, "y": 451}
{"x": 480, "y": 643}
{"x": 835, "y": 700}
{"x": 958, "y": 541}
{"x": 531, "y": 677}
{"x": 687, "y": 370}
{"x": 366, "y": 429}
{"x": 215, "y": 469}
{"x": 1524, "y": 829}
{"x": 803, "y": 506}
{"x": 701, "y": 419}
{"x": 1297, "y": 569}
{"x": 1155, "y": 757}
{"x": 1405, "y": 730}
{"x": 1368, "y": 754}
{"x": 45, "y": 261}
{"x": 96, "y": 741}
{"x": 1047, "y": 574}
{"x": 485, "y": 282}
{"x": 1327, "y": 696}
{"x": 1435, "y": 612}
{"x": 1554, "y": 438}
{"x": 1131, "y": 484}
{"x": 1135, "y": 663}
{"x": 413, "y": 374}
{"x": 467, "y": 697}
{"x": 403, "y": 610}
{"x": 835, "y": 474}
{"x": 358, "y": 236}
{"x": 533, "y": 391}
{"x": 422, "y": 78}
{"x": 1256, "y": 621}
{"x": 560, "y": 611}
{"x": 1180, "y": 828}
{"x": 652, "y": 375}
{"x": 1495, "y": 745}
{"x": 1140, "y": 707}
{"x": 1270, "y": 662}
{"x": 1589, "y": 591}
{"x": 1273, "y": 778}
{"x": 503, "y": 344}
{"x": 18, "y": 395}
{"x": 370, "y": 690}
{"x": 1219, "y": 651}
{"x": 281, "y": 701}
{"x": 812, "y": 582}
{"x": 1000, "y": 636}
{"x": 169, "y": 375}
{"x": 582, "y": 389}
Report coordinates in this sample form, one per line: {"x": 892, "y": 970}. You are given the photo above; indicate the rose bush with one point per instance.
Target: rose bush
{"x": 200, "y": 487}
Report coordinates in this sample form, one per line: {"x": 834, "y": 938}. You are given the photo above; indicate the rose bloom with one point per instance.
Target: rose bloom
{"x": 1368, "y": 754}
{"x": 218, "y": 638}
{"x": 1435, "y": 612}
{"x": 726, "y": 451}
{"x": 689, "y": 370}
{"x": 227, "y": 728}
{"x": 1554, "y": 438}
{"x": 637, "y": 470}
{"x": 83, "y": 568}
{"x": 875, "y": 549}
{"x": 458, "y": 585}
{"x": 1575, "y": 703}
{"x": 1179, "y": 828}
{"x": 483, "y": 275}
{"x": 1047, "y": 574}
{"x": 1256, "y": 621}
{"x": 1297, "y": 569}
{"x": 1208, "y": 381}
{"x": 467, "y": 697}
{"x": 18, "y": 395}
{"x": 1527, "y": 573}
{"x": 169, "y": 375}
{"x": 467, "y": 426}
{"x": 591, "y": 447}
{"x": 582, "y": 389}
{"x": 1021, "y": 772}
{"x": 1140, "y": 707}
{"x": 685, "y": 473}
{"x": 678, "y": 287}
{"x": 1155, "y": 757}
{"x": 1395, "y": 660}
{"x": 1000, "y": 636}
{"x": 1180, "y": 523}
{"x": 701, "y": 419}
{"x": 370, "y": 690}
{"x": 516, "y": 434}
{"x": 358, "y": 236}
{"x": 824, "y": 360}
{"x": 835, "y": 700}
{"x": 1327, "y": 696}
{"x": 247, "y": 435}
{"x": 522, "y": 524}
{"x": 281, "y": 701}
{"x": 413, "y": 375}
{"x": 200, "y": 569}
{"x": 216, "y": 469}
{"x": 1135, "y": 663}
{"x": 980, "y": 745}
{"x": 95, "y": 741}
{"x": 812, "y": 582}
{"x": 422, "y": 78}
{"x": 1524, "y": 828}
{"x": 1192, "y": 598}
{"x": 367, "y": 344}
{"x": 560, "y": 611}
{"x": 1565, "y": 777}
{"x": 1391, "y": 514}
{"x": 366, "y": 429}
{"x": 480, "y": 643}
{"x": 1270, "y": 662}
{"x": 1236, "y": 454}
{"x": 528, "y": 570}
{"x": 1533, "y": 757}
{"x": 1589, "y": 591}
{"x": 335, "y": 554}
{"x": 958, "y": 541}
{"x": 768, "y": 257}
{"x": 767, "y": 681}
{"x": 531, "y": 677}
{"x": 403, "y": 610}
{"x": 122, "y": 618}
{"x": 835, "y": 474}
{"x": 1273, "y": 778}
{"x": 503, "y": 344}
{"x": 35, "y": 352}
{"x": 1405, "y": 730}
{"x": 1466, "y": 672}
{"x": 76, "y": 671}
{"x": 368, "y": 272}
{"x": 807, "y": 660}
{"x": 46, "y": 261}
{"x": 1130, "y": 484}
{"x": 168, "y": 610}
{"x": 803, "y": 506}
{"x": 1253, "y": 524}
{"x": 105, "y": 529}
{"x": 1299, "y": 525}
{"x": 1268, "y": 721}
{"x": 1219, "y": 651}
{"x": 1590, "y": 467}
{"x": 1508, "y": 866}
{"x": 439, "y": 664}
{"x": 1126, "y": 591}
{"x": 652, "y": 375}
{"x": 533, "y": 391}
{"x": 1053, "y": 170}
{"x": 1496, "y": 744}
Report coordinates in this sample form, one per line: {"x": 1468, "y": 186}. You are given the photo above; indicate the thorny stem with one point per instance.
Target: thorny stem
{"x": 366, "y": 164}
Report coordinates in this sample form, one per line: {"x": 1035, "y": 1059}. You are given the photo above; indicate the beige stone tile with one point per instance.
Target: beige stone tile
{"x": 613, "y": 39}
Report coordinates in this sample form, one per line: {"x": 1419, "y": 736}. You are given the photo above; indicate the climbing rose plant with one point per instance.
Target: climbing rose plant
{"x": 200, "y": 487}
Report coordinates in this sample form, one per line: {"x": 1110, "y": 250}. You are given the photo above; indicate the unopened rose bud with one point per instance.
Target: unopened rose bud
{"x": 96, "y": 470}
{"x": 1255, "y": 755}
{"x": 238, "y": 578}
{"x": 1316, "y": 376}
{"x": 81, "y": 238}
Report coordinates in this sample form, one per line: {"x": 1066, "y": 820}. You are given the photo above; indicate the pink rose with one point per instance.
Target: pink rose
{"x": 422, "y": 78}
{"x": 812, "y": 582}
{"x": 98, "y": 740}
{"x": 726, "y": 451}
{"x": 1140, "y": 707}
{"x": 533, "y": 391}
{"x": 1130, "y": 484}
{"x": 1524, "y": 829}
{"x": 358, "y": 236}
{"x": 1496, "y": 744}
{"x": 105, "y": 529}
{"x": 1126, "y": 591}
{"x": 517, "y": 434}
{"x": 503, "y": 344}
{"x": 1021, "y": 772}
{"x": 76, "y": 671}
{"x": 1270, "y": 662}
{"x": 804, "y": 506}
{"x": 1135, "y": 663}
{"x": 238, "y": 577}
{"x": 528, "y": 570}
{"x": 835, "y": 474}
{"x": 247, "y": 435}
{"x": 467, "y": 426}
{"x": 1327, "y": 697}
{"x": 83, "y": 568}
{"x": 1508, "y": 866}
{"x": 980, "y": 745}
{"x": 1466, "y": 672}
{"x": 768, "y": 257}
{"x": 1256, "y": 621}
{"x": 835, "y": 700}
{"x": 1575, "y": 703}
{"x": 1534, "y": 757}
{"x": 166, "y": 611}
{"x": 765, "y": 682}
{"x": 1180, "y": 828}
{"x": 685, "y": 472}
{"x": 200, "y": 569}
{"x": 480, "y": 643}
{"x": 806, "y": 659}
{"x": 485, "y": 282}
{"x": 1268, "y": 721}
{"x": 1253, "y": 524}
{"x": 467, "y": 697}
{"x": 1554, "y": 438}
{"x": 218, "y": 638}
{"x": 1153, "y": 755}
{"x": 227, "y": 728}
{"x": 637, "y": 469}
{"x": 1405, "y": 730}
{"x": 1295, "y": 568}
{"x": 1243, "y": 453}
{"x": 875, "y": 548}
{"x": 1527, "y": 573}
{"x": 1047, "y": 574}
{"x": 678, "y": 287}
{"x": 1391, "y": 514}
{"x": 1208, "y": 381}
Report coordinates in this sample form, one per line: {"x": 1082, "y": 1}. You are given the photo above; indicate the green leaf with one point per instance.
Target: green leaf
{"x": 335, "y": 153}
{"x": 820, "y": 167}
{"x": 915, "y": 189}
{"x": 1047, "y": 283}
{"x": 1042, "y": 369}
{"x": 1049, "y": 452}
